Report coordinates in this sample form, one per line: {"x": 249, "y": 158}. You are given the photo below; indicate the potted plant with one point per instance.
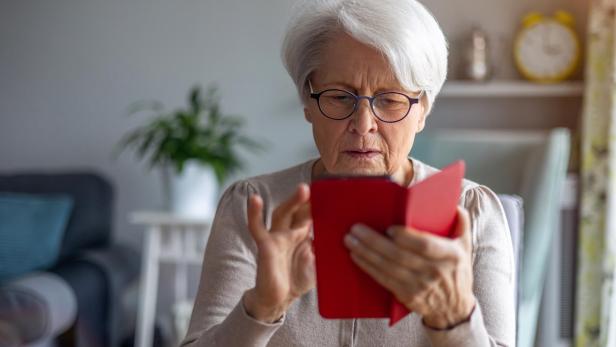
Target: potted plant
{"x": 195, "y": 148}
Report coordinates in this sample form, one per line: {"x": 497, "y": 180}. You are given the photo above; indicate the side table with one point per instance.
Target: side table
{"x": 172, "y": 239}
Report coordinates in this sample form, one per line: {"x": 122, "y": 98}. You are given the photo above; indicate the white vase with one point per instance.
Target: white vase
{"x": 193, "y": 193}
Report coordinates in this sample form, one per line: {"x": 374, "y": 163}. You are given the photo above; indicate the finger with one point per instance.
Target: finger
{"x": 397, "y": 263}
{"x": 463, "y": 228}
{"x": 300, "y": 227}
{"x": 431, "y": 247}
{"x": 255, "y": 218}
{"x": 302, "y": 216}
{"x": 382, "y": 278}
{"x": 303, "y": 273}
{"x": 307, "y": 247}
{"x": 372, "y": 241}
{"x": 297, "y": 234}
{"x": 305, "y": 252}
{"x": 282, "y": 216}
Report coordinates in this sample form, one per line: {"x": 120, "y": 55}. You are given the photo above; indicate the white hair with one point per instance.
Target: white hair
{"x": 404, "y": 31}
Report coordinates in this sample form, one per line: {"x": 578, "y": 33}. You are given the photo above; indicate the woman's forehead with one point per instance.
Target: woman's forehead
{"x": 345, "y": 60}
{"x": 356, "y": 77}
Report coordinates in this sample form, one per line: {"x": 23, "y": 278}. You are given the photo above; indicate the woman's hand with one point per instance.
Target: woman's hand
{"x": 429, "y": 274}
{"x": 285, "y": 261}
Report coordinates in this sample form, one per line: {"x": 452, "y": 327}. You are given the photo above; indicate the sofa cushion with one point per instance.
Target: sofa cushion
{"x": 90, "y": 222}
{"x": 31, "y": 231}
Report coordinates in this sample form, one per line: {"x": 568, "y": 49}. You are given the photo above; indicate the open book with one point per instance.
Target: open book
{"x": 337, "y": 203}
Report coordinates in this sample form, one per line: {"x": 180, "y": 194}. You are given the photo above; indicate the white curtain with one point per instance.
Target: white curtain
{"x": 596, "y": 299}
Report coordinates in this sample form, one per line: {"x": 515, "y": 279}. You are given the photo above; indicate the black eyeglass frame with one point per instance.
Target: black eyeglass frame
{"x": 317, "y": 97}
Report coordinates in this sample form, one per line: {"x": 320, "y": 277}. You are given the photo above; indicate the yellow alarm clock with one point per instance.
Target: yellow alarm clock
{"x": 547, "y": 49}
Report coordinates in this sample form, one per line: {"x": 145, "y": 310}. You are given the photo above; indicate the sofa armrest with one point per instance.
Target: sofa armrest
{"x": 36, "y": 307}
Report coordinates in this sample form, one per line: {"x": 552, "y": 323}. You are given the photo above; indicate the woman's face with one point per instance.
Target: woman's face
{"x": 361, "y": 144}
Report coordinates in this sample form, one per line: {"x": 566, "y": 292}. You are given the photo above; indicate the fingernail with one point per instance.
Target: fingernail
{"x": 350, "y": 240}
{"x": 358, "y": 230}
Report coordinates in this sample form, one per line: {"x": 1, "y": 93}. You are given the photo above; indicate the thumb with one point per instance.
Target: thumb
{"x": 463, "y": 227}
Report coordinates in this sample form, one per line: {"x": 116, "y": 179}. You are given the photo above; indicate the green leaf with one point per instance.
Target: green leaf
{"x": 200, "y": 132}
{"x": 194, "y": 99}
{"x": 139, "y": 106}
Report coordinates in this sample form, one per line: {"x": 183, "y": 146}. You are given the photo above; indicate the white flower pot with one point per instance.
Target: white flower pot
{"x": 193, "y": 193}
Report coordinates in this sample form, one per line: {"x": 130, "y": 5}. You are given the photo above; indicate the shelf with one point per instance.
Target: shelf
{"x": 512, "y": 88}
{"x": 168, "y": 219}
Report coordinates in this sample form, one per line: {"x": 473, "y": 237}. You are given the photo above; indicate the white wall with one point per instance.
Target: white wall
{"x": 69, "y": 69}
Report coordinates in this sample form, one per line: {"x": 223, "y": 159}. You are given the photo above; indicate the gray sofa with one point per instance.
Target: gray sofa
{"x": 78, "y": 301}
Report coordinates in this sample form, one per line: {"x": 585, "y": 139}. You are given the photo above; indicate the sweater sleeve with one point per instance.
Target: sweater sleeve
{"x": 492, "y": 323}
{"x": 229, "y": 269}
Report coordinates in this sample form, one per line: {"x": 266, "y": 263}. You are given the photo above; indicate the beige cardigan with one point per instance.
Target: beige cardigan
{"x": 219, "y": 318}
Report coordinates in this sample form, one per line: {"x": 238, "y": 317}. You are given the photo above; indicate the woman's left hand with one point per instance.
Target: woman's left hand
{"x": 429, "y": 274}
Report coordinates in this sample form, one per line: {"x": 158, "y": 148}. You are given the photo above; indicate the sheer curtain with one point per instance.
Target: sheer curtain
{"x": 596, "y": 297}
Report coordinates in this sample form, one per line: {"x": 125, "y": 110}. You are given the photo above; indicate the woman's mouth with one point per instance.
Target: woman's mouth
{"x": 362, "y": 154}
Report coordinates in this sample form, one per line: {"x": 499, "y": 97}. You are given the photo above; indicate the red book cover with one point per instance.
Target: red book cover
{"x": 337, "y": 203}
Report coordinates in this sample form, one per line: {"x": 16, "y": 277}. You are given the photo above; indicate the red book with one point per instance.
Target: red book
{"x": 337, "y": 203}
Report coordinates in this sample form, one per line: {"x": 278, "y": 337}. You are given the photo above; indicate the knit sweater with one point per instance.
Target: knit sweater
{"x": 229, "y": 269}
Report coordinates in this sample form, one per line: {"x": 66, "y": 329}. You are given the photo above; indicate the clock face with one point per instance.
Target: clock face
{"x": 547, "y": 50}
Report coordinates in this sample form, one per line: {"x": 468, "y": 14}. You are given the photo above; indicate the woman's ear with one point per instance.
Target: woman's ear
{"x": 421, "y": 119}
{"x": 422, "y": 122}
{"x": 307, "y": 115}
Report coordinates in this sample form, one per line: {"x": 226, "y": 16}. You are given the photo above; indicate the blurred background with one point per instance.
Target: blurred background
{"x": 119, "y": 244}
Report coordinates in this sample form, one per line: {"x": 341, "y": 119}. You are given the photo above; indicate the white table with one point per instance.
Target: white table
{"x": 168, "y": 238}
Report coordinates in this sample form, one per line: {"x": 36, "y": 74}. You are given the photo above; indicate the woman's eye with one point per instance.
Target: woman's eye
{"x": 391, "y": 101}
{"x": 340, "y": 98}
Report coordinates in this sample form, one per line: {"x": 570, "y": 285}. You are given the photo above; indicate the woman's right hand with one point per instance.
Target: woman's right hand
{"x": 285, "y": 261}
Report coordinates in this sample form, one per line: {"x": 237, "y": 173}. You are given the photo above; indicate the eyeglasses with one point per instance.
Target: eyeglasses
{"x": 388, "y": 107}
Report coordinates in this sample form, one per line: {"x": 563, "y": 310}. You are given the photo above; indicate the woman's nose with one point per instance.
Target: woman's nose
{"x": 363, "y": 121}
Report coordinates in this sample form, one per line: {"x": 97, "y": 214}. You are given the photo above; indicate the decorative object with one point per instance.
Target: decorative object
{"x": 194, "y": 147}
{"x": 595, "y": 321}
{"x": 477, "y": 65}
{"x": 192, "y": 193}
{"x": 547, "y": 49}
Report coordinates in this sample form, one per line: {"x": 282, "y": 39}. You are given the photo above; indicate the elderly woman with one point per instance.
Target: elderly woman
{"x": 367, "y": 72}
